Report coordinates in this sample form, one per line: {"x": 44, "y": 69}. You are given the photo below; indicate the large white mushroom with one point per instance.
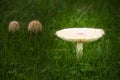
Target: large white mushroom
{"x": 80, "y": 36}
{"x": 13, "y": 26}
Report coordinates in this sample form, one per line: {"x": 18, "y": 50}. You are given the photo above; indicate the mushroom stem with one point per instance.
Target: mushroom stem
{"x": 79, "y": 50}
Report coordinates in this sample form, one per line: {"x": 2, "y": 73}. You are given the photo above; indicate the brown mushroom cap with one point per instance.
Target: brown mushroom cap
{"x": 13, "y": 26}
{"x": 35, "y": 26}
{"x": 80, "y": 34}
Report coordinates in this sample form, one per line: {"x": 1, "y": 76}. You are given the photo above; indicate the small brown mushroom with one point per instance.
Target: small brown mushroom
{"x": 13, "y": 26}
{"x": 35, "y": 26}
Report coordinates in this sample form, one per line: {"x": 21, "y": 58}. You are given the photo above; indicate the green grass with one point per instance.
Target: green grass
{"x": 45, "y": 56}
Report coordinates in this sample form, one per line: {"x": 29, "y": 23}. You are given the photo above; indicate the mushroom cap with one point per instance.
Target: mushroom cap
{"x": 35, "y": 26}
{"x": 13, "y": 26}
{"x": 80, "y": 34}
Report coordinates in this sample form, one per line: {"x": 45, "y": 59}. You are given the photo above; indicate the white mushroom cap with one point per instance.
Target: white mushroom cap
{"x": 80, "y": 34}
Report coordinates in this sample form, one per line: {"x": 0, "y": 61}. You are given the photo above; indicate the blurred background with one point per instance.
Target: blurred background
{"x": 46, "y": 57}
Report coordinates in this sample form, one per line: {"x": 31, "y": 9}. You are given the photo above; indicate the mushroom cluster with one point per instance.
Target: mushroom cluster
{"x": 80, "y": 36}
{"x": 34, "y": 26}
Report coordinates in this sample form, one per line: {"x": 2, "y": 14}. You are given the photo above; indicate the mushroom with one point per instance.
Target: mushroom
{"x": 80, "y": 36}
{"x": 35, "y": 26}
{"x": 13, "y": 26}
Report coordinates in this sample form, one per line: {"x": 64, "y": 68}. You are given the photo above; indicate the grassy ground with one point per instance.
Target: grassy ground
{"x": 46, "y": 57}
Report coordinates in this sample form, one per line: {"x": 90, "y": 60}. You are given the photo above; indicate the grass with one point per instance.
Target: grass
{"x": 45, "y": 56}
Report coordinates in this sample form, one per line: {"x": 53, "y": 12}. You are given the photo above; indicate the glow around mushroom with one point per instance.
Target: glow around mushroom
{"x": 80, "y": 35}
